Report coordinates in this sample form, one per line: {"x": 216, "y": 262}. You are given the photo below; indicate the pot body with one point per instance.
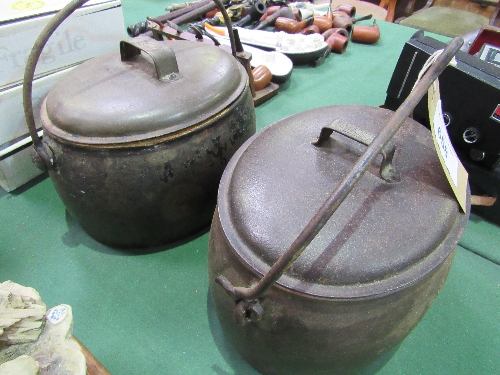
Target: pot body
{"x": 301, "y": 334}
{"x": 142, "y": 196}
{"x": 372, "y": 271}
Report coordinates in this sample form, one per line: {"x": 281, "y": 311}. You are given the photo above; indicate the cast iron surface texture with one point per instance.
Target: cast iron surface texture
{"x": 303, "y": 334}
{"x": 383, "y": 236}
{"x": 137, "y": 159}
{"x": 151, "y": 195}
{"x": 387, "y": 246}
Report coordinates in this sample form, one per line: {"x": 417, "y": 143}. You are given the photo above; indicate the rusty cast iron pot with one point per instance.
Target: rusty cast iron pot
{"x": 138, "y": 139}
{"x": 371, "y": 273}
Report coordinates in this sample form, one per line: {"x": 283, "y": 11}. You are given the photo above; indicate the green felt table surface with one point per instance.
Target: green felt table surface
{"x": 148, "y": 313}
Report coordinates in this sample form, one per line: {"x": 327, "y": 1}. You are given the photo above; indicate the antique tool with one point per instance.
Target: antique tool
{"x": 358, "y": 273}
{"x": 193, "y": 15}
{"x": 194, "y": 10}
{"x": 135, "y": 141}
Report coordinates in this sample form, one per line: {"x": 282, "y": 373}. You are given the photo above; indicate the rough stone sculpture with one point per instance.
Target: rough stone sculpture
{"x": 22, "y": 365}
{"x": 22, "y": 313}
{"x": 27, "y": 330}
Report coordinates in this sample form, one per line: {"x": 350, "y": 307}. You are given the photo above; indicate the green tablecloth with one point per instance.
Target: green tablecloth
{"x": 149, "y": 313}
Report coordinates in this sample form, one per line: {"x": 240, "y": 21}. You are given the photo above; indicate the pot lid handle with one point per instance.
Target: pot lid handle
{"x": 163, "y": 57}
{"x": 248, "y": 307}
{"x": 388, "y": 171}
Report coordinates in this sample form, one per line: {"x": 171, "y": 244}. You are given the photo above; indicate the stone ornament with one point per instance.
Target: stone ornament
{"x": 34, "y": 340}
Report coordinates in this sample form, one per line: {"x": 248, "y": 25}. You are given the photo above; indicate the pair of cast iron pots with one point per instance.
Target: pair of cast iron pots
{"x": 306, "y": 281}
{"x": 135, "y": 147}
{"x": 135, "y": 141}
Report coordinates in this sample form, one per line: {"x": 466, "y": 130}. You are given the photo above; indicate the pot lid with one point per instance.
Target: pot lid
{"x": 384, "y": 236}
{"x": 150, "y": 89}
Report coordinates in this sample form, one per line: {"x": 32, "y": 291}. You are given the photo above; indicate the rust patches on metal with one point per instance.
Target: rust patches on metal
{"x": 168, "y": 172}
{"x": 220, "y": 150}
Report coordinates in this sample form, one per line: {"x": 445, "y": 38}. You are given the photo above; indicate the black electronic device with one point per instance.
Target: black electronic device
{"x": 470, "y": 95}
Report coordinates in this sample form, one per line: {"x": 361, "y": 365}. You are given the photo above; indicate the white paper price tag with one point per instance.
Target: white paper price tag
{"x": 455, "y": 172}
{"x": 57, "y": 314}
{"x": 450, "y": 159}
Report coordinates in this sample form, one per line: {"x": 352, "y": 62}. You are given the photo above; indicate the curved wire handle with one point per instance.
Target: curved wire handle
{"x": 45, "y": 154}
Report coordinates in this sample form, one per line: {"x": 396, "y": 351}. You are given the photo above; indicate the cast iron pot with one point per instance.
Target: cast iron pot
{"x": 136, "y": 141}
{"x": 367, "y": 274}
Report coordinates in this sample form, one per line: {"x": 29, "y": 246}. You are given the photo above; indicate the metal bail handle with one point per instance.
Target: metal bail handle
{"x": 247, "y": 307}
{"x": 42, "y": 156}
{"x": 163, "y": 56}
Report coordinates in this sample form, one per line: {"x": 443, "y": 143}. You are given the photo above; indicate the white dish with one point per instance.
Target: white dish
{"x": 279, "y": 64}
{"x": 301, "y": 49}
